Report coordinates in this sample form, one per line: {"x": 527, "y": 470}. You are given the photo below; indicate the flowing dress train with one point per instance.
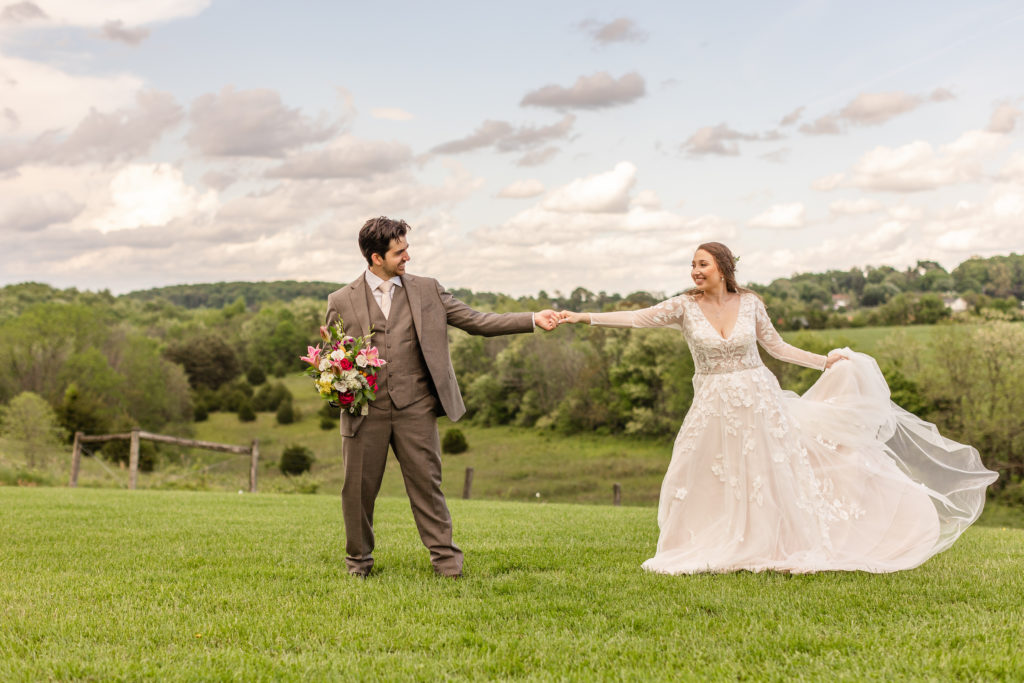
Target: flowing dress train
{"x": 840, "y": 478}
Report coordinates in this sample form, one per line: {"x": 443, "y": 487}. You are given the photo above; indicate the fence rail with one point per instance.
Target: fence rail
{"x": 136, "y": 435}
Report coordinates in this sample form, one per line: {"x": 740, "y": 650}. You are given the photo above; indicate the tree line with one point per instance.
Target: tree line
{"x": 160, "y": 361}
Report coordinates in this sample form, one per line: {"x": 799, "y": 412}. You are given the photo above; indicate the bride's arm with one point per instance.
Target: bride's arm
{"x": 668, "y": 313}
{"x": 773, "y": 343}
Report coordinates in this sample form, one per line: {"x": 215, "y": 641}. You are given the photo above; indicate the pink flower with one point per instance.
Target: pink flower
{"x": 372, "y": 381}
{"x": 372, "y": 357}
{"x": 348, "y": 341}
{"x": 314, "y": 355}
{"x": 325, "y": 333}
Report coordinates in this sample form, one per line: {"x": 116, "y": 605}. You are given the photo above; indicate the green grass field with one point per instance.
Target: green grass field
{"x": 102, "y": 584}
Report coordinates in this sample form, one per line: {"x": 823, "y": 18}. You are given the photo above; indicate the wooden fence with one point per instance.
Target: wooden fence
{"x": 134, "y": 436}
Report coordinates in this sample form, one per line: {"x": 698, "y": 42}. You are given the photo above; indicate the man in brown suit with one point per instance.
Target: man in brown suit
{"x": 409, "y": 316}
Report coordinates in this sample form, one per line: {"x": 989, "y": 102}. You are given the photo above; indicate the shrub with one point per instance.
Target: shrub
{"x": 296, "y": 460}
{"x": 199, "y": 413}
{"x": 255, "y": 376}
{"x": 454, "y": 441}
{"x": 286, "y": 413}
{"x": 270, "y": 396}
{"x": 327, "y": 423}
{"x": 245, "y": 411}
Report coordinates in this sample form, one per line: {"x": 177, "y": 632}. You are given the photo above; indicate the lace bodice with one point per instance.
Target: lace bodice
{"x": 713, "y": 354}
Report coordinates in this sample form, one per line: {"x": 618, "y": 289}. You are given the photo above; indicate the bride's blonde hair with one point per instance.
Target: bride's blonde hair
{"x": 726, "y": 263}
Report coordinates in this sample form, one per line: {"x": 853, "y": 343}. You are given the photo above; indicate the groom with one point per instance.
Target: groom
{"x": 409, "y": 316}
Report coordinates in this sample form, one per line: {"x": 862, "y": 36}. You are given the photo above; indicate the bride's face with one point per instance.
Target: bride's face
{"x": 704, "y": 270}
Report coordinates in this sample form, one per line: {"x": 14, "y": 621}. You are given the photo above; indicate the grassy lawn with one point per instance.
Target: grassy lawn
{"x": 106, "y": 584}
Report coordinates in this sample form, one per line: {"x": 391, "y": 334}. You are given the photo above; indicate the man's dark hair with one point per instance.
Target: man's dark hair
{"x": 376, "y": 234}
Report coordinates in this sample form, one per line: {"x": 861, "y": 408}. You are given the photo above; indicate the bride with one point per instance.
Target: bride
{"x": 840, "y": 478}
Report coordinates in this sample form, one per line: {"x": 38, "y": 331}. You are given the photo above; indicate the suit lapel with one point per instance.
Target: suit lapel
{"x": 357, "y": 300}
{"x": 412, "y": 291}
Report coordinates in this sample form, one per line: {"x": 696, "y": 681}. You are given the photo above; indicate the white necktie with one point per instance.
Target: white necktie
{"x": 385, "y": 297}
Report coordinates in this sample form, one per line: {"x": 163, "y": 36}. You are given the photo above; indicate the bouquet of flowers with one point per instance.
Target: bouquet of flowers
{"x": 344, "y": 368}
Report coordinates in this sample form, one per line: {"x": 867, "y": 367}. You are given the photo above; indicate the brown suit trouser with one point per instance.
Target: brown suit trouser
{"x": 412, "y": 433}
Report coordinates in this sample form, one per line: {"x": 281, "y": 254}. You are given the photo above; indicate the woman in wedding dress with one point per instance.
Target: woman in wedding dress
{"x": 840, "y": 478}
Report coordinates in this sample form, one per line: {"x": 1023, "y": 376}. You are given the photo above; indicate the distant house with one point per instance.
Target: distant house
{"x": 957, "y": 304}
{"x": 840, "y": 301}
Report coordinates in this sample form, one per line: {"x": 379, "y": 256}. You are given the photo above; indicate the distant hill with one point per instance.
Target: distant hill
{"x": 220, "y": 294}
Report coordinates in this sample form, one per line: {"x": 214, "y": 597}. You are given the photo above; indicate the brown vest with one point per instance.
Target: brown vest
{"x": 405, "y": 378}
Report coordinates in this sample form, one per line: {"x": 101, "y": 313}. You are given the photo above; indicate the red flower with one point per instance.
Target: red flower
{"x": 345, "y": 399}
{"x": 372, "y": 380}
{"x": 346, "y": 364}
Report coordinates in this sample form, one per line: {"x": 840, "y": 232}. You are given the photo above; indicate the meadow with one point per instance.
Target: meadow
{"x": 509, "y": 463}
{"x": 103, "y": 584}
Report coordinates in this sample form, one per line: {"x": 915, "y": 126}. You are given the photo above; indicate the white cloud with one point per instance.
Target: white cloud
{"x": 253, "y": 123}
{"x": 829, "y": 182}
{"x": 522, "y": 189}
{"x": 589, "y": 92}
{"x": 95, "y": 13}
{"x": 917, "y": 166}
{"x": 147, "y": 195}
{"x": 785, "y": 216}
{"x": 391, "y": 114}
{"x": 22, "y": 12}
{"x": 621, "y": 30}
{"x": 37, "y": 212}
{"x": 1004, "y": 119}
{"x": 117, "y": 31}
{"x": 872, "y": 109}
{"x": 504, "y": 137}
{"x": 42, "y": 98}
{"x": 721, "y": 140}
{"x": 538, "y": 157}
{"x": 346, "y": 157}
{"x": 601, "y": 193}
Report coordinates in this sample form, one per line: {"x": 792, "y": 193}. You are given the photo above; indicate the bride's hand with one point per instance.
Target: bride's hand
{"x": 570, "y": 317}
{"x": 833, "y": 358}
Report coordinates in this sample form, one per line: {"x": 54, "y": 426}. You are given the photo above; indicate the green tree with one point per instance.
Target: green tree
{"x": 209, "y": 361}
{"x": 31, "y": 423}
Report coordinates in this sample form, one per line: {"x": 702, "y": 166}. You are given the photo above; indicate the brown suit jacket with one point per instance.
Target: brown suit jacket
{"x": 433, "y": 309}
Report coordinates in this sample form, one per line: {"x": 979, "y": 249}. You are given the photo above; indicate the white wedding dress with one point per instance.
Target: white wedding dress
{"x": 840, "y": 478}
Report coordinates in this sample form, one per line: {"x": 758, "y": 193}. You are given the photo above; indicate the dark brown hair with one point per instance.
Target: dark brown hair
{"x": 726, "y": 263}
{"x": 376, "y": 234}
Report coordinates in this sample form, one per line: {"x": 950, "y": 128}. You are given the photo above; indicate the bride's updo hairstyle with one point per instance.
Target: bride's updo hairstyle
{"x": 726, "y": 263}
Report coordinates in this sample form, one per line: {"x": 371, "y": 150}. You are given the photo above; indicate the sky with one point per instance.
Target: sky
{"x": 531, "y": 145}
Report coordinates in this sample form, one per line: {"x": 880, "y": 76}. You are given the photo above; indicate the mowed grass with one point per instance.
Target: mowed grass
{"x": 104, "y": 584}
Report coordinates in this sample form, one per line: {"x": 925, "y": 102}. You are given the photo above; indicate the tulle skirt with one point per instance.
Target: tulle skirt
{"x": 840, "y": 478}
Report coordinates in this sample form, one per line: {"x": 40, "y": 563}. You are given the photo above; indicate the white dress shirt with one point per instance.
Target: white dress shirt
{"x": 374, "y": 282}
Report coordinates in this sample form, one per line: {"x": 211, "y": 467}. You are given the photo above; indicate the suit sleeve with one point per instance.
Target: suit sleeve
{"x": 486, "y": 324}
{"x": 332, "y": 310}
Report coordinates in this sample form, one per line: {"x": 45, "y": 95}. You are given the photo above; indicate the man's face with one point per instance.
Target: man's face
{"x": 393, "y": 262}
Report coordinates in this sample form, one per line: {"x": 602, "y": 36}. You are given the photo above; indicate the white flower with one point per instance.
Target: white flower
{"x": 324, "y": 364}
{"x": 337, "y": 354}
{"x": 361, "y": 361}
{"x": 681, "y": 493}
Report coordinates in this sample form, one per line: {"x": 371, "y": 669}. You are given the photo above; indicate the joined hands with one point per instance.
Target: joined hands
{"x": 549, "y": 320}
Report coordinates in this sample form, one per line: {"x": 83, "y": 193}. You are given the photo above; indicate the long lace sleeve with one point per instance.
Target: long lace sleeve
{"x": 668, "y": 313}
{"x": 773, "y": 343}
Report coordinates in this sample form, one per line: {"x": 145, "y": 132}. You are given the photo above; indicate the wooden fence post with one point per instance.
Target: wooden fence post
{"x": 76, "y": 459}
{"x": 254, "y": 460}
{"x": 467, "y": 486}
{"x": 616, "y": 494}
{"x": 133, "y": 460}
